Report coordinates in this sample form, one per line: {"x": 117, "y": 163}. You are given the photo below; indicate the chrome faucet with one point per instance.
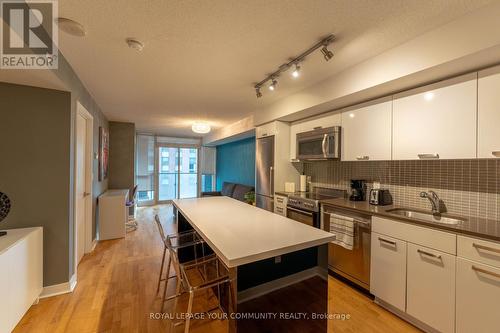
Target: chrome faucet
{"x": 434, "y": 199}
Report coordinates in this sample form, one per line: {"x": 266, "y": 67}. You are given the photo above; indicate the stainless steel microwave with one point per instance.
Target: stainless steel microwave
{"x": 319, "y": 144}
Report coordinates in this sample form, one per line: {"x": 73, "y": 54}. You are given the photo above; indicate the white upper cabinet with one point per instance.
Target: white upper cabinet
{"x": 300, "y": 126}
{"x": 268, "y": 129}
{"x": 488, "y": 145}
{"x": 367, "y": 132}
{"x": 437, "y": 120}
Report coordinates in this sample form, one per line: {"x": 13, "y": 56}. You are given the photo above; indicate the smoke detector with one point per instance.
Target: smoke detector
{"x": 135, "y": 44}
{"x": 71, "y": 27}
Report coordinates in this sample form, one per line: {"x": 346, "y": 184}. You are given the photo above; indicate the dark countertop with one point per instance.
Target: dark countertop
{"x": 283, "y": 193}
{"x": 473, "y": 226}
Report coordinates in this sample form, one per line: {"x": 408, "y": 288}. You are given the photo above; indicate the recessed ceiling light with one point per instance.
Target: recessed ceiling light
{"x": 201, "y": 127}
{"x": 71, "y": 27}
{"x": 135, "y": 44}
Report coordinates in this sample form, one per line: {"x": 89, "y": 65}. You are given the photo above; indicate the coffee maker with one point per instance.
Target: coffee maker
{"x": 358, "y": 190}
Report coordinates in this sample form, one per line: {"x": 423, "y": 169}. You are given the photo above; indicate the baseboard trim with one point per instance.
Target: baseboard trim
{"x": 59, "y": 289}
{"x": 283, "y": 282}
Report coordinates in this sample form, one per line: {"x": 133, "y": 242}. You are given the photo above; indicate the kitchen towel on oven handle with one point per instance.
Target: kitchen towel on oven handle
{"x": 343, "y": 228}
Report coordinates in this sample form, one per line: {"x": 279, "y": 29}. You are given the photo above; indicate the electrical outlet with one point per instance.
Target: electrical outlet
{"x": 277, "y": 260}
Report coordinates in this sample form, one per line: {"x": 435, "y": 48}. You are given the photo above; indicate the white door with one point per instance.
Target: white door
{"x": 431, "y": 287}
{"x": 388, "y": 270}
{"x": 81, "y": 196}
{"x": 436, "y": 119}
{"x": 488, "y": 135}
{"x": 478, "y": 295}
{"x": 367, "y": 132}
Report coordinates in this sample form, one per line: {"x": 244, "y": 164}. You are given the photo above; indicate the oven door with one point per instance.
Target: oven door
{"x": 309, "y": 218}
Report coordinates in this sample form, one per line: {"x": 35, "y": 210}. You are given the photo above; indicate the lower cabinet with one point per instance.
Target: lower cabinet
{"x": 431, "y": 287}
{"x": 388, "y": 270}
{"x": 452, "y": 284}
{"x": 478, "y": 297}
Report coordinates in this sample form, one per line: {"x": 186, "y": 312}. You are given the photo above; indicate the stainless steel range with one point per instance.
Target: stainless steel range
{"x": 305, "y": 206}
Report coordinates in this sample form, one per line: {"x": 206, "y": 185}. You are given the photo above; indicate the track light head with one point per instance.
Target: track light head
{"x": 273, "y": 84}
{"x": 327, "y": 54}
{"x": 257, "y": 92}
{"x": 296, "y": 71}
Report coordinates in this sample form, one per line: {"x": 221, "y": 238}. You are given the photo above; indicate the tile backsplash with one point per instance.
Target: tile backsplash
{"x": 467, "y": 187}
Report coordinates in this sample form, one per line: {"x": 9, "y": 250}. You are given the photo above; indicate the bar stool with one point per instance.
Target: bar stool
{"x": 216, "y": 275}
{"x": 172, "y": 243}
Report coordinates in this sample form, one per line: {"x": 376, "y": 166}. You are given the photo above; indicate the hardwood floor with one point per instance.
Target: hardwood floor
{"x": 116, "y": 292}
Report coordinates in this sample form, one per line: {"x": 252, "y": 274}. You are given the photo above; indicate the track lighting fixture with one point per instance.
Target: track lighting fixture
{"x": 273, "y": 84}
{"x": 327, "y": 54}
{"x": 296, "y": 71}
{"x": 257, "y": 92}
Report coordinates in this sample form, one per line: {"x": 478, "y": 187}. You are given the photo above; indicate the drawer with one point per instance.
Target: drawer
{"x": 280, "y": 210}
{"x": 479, "y": 250}
{"x": 280, "y": 201}
{"x": 432, "y": 238}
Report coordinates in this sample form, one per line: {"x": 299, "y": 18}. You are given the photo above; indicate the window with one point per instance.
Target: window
{"x": 192, "y": 164}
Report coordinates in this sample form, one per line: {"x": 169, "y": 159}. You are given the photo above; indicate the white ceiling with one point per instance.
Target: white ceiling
{"x": 201, "y": 58}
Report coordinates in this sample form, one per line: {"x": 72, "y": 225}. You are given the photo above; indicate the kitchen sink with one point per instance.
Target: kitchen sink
{"x": 425, "y": 216}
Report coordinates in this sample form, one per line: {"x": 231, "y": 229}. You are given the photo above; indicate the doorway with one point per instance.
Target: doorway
{"x": 83, "y": 183}
{"x": 177, "y": 173}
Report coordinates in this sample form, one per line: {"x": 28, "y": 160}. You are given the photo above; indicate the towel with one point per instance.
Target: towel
{"x": 343, "y": 228}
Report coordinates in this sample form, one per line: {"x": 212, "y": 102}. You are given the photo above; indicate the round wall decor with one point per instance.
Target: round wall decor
{"x": 4, "y": 206}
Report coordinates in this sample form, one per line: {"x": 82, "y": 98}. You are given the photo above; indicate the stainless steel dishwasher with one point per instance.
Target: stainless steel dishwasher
{"x": 354, "y": 264}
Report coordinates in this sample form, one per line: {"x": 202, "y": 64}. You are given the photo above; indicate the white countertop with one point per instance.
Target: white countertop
{"x": 13, "y": 236}
{"x": 115, "y": 193}
{"x": 240, "y": 233}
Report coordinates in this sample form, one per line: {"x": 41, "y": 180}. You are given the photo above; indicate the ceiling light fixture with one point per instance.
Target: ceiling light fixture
{"x": 327, "y": 54}
{"x": 71, "y": 27}
{"x": 201, "y": 127}
{"x": 296, "y": 71}
{"x": 257, "y": 92}
{"x": 273, "y": 84}
{"x": 135, "y": 44}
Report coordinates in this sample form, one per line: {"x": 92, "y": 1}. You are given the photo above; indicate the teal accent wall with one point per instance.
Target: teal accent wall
{"x": 236, "y": 162}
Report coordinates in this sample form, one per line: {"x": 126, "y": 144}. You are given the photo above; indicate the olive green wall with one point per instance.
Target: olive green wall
{"x": 35, "y": 168}
{"x": 121, "y": 155}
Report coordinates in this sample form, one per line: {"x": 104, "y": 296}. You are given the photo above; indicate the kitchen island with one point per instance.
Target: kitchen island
{"x": 278, "y": 265}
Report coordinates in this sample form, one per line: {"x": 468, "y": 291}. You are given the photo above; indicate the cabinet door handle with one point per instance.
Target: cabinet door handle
{"x": 363, "y": 158}
{"x": 480, "y": 270}
{"x": 387, "y": 241}
{"x": 428, "y": 156}
{"x": 429, "y": 254}
{"x": 486, "y": 248}
{"x": 496, "y": 153}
